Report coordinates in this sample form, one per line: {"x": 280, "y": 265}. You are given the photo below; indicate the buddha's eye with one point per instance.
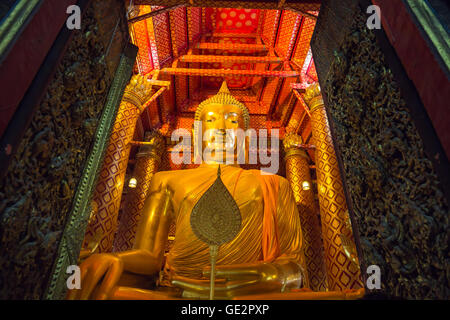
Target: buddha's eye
{"x": 209, "y": 120}
{"x": 233, "y": 117}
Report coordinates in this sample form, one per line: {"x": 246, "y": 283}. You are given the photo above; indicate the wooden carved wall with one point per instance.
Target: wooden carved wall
{"x": 5, "y": 6}
{"x": 399, "y": 208}
{"x": 38, "y": 190}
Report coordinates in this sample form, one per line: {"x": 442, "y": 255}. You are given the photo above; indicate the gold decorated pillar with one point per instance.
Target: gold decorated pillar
{"x": 110, "y": 181}
{"x": 148, "y": 160}
{"x": 342, "y": 268}
{"x": 299, "y": 177}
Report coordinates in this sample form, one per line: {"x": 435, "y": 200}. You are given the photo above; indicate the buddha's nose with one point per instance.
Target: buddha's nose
{"x": 221, "y": 132}
{"x": 220, "y": 124}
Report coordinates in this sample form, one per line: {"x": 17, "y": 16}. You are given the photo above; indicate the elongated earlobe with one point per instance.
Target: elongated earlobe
{"x": 247, "y": 148}
{"x": 197, "y": 144}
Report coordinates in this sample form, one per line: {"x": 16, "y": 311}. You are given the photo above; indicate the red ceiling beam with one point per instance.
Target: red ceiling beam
{"x": 213, "y": 58}
{"x": 300, "y": 86}
{"x": 154, "y": 13}
{"x": 256, "y": 4}
{"x": 232, "y": 35}
{"x": 269, "y": 38}
{"x": 153, "y": 98}
{"x": 302, "y": 12}
{"x": 159, "y": 83}
{"x": 232, "y": 46}
{"x": 227, "y": 72}
{"x": 302, "y": 103}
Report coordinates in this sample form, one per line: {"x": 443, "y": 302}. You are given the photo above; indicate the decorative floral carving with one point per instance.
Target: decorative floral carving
{"x": 139, "y": 90}
{"x": 400, "y": 210}
{"x": 36, "y": 194}
{"x": 311, "y": 92}
{"x": 292, "y": 140}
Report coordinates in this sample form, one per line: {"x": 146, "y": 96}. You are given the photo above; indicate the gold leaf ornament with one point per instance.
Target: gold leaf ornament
{"x": 215, "y": 219}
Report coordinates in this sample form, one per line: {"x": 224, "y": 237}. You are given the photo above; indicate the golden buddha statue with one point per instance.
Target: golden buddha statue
{"x": 265, "y": 256}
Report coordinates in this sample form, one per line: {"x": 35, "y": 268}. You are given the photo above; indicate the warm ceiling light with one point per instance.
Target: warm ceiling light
{"x": 132, "y": 183}
{"x": 306, "y": 185}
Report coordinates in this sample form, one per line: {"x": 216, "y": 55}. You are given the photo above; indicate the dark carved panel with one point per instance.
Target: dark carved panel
{"x": 327, "y": 36}
{"x": 37, "y": 192}
{"x": 399, "y": 208}
{"x": 5, "y": 6}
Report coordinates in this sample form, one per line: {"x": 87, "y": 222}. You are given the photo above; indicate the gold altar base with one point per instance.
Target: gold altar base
{"x": 305, "y": 294}
{"x": 128, "y": 293}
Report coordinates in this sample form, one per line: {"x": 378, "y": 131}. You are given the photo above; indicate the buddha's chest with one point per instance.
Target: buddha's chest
{"x": 189, "y": 255}
{"x": 244, "y": 188}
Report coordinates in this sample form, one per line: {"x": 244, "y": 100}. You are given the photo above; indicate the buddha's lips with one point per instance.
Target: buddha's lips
{"x": 219, "y": 143}
{"x": 219, "y": 148}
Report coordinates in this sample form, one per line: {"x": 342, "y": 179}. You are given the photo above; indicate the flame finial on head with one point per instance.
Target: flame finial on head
{"x": 224, "y": 88}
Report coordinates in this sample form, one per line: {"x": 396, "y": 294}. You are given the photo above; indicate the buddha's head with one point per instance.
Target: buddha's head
{"x": 221, "y": 118}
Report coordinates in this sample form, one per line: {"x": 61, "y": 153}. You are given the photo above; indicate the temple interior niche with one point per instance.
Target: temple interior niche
{"x": 262, "y": 60}
{"x": 278, "y": 40}
{"x": 249, "y": 60}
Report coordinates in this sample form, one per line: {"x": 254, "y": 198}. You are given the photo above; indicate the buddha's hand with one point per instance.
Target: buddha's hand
{"x": 93, "y": 269}
{"x": 245, "y": 279}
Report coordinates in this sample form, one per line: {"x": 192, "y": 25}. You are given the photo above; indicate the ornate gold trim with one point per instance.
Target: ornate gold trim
{"x": 14, "y": 23}
{"x": 73, "y": 234}
{"x": 291, "y": 144}
{"x": 315, "y": 103}
{"x": 139, "y": 90}
{"x": 432, "y": 27}
{"x": 295, "y": 152}
{"x": 313, "y": 97}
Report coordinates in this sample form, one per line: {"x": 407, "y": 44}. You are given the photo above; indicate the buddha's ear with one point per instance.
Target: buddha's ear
{"x": 193, "y": 141}
{"x": 247, "y": 148}
{"x": 197, "y": 149}
{"x": 243, "y": 148}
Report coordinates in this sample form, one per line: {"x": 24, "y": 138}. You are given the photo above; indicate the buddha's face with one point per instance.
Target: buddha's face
{"x": 219, "y": 130}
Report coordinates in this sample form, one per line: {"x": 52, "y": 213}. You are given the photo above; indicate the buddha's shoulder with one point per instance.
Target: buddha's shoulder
{"x": 163, "y": 176}
{"x": 283, "y": 182}
{"x": 166, "y": 178}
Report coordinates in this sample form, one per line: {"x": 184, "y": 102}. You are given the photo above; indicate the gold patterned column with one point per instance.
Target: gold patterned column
{"x": 343, "y": 270}
{"x": 109, "y": 187}
{"x": 297, "y": 172}
{"x": 148, "y": 160}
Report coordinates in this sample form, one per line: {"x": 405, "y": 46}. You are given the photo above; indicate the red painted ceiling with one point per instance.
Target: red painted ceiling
{"x": 166, "y": 37}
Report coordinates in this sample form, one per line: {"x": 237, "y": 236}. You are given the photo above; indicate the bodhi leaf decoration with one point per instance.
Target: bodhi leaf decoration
{"x": 215, "y": 219}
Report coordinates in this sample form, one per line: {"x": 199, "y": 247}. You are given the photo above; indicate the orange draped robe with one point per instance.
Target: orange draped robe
{"x": 270, "y": 223}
